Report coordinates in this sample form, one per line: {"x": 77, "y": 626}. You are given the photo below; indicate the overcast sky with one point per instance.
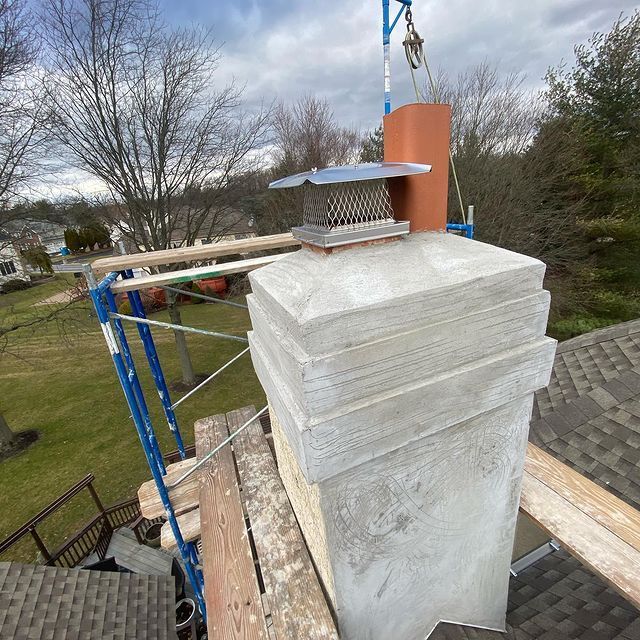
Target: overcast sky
{"x": 332, "y": 48}
{"x": 284, "y": 49}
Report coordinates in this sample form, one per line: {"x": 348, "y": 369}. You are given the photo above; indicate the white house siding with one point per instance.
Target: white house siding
{"x": 11, "y": 265}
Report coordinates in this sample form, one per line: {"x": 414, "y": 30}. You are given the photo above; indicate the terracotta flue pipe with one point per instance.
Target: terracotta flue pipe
{"x": 420, "y": 133}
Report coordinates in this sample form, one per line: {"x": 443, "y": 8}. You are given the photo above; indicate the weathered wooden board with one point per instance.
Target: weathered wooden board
{"x": 137, "y": 557}
{"x": 187, "y": 275}
{"x": 598, "y": 503}
{"x": 183, "y": 498}
{"x": 190, "y": 254}
{"x": 298, "y": 607}
{"x": 234, "y": 607}
{"x": 610, "y": 557}
{"x": 189, "y": 526}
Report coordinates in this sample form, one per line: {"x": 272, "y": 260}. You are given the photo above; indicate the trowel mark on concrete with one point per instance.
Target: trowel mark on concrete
{"x": 377, "y": 516}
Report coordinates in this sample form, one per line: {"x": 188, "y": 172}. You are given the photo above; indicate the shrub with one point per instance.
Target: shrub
{"x": 38, "y": 258}
{"x": 14, "y": 285}
{"x": 125, "y": 308}
{"x": 576, "y": 325}
{"x": 152, "y": 302}
{"x": 195, "y": 288}
{"x": 616, "y": 305}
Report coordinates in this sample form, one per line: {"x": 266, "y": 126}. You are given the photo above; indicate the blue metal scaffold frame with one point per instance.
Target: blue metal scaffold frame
{"x": 387, "y": 28}
{"x": 111, "y": 323}
{"x": 106, "y": 310}
{"x": 112, "y": 327}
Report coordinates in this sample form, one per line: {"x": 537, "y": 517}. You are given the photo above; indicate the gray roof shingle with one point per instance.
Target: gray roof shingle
{"x": 557, "y": 599}
{"x": 589, "y": 416}
{"x": 587, "y": 362}
{"x": 52, "y": 603}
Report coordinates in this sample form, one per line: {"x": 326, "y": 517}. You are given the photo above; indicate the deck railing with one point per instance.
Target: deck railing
{"x": 30, "y": 527}
{"x": 93, "y": 537}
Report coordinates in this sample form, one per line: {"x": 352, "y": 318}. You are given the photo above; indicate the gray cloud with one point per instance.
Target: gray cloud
{"x": 283, "y": 50}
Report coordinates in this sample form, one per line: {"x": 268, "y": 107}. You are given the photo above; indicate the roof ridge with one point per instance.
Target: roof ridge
{"x": 598, "y": 336}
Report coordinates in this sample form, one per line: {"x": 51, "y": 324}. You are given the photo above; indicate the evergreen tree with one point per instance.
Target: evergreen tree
{"x": 38, "y": 258}
{"x": 595, "y": 103}
{"x": 599, "y": 100}
{"x": 102, "y": 236}
{"x": 87, "y": 238}
{"x": 373, "y": 146}
{"x": 72, "y": 240}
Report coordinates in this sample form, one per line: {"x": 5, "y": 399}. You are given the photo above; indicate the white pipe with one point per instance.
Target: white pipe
{"x": 209, "y": 379}
{"x": 177, "y": 327}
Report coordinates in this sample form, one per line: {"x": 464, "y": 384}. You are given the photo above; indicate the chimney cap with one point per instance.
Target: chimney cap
{"x": 351, "y": 173}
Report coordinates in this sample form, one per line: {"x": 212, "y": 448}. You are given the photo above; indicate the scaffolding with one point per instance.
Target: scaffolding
{"x": 120, "y": 278}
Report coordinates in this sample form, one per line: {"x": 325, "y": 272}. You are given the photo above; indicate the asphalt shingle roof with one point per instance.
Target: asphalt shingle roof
{"x": 589, "y": 418}
{"x": 52, "y": 603}
{"x": 557, "y": 599}
{"x": 587, "y": 362}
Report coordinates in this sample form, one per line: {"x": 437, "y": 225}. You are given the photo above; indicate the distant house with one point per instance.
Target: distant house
{"x": 12, "y": 266}
{"x": 42, "y": 233}
{"x": 51, "y": 236}
{"x": 25, "y": 239}
{"x": 37, "y": 233}
{"x": 229, "y": 225}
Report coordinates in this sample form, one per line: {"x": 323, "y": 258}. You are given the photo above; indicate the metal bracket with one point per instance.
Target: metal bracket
{"x": 533, "y": 556}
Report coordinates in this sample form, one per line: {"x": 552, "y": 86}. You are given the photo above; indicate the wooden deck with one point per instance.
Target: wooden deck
{"x": 136, "y": 557}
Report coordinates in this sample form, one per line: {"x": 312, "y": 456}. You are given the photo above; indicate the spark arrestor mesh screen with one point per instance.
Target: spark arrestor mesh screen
{"x": 346, "y": 206}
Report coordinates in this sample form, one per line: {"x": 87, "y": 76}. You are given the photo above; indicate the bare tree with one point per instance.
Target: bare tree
{"x": 134, "y": 104}
{"x": 20, "y": 119}
{"x": 21, "y": 113}
{"x": 305, "y": 135}
{"x": 512, "y": 165}
{"x": 491, "y": 114}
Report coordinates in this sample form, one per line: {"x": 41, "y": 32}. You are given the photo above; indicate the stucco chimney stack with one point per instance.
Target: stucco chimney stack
{"x": 400, "y": 377}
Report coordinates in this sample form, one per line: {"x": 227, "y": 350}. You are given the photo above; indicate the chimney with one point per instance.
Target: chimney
{"x": 420, "y": 133}
{"x": 400, "y": 377}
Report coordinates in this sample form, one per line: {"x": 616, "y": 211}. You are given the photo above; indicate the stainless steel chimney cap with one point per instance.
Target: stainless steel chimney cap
{"x": 352, "y": 173}
{"x": 348, "y": 204}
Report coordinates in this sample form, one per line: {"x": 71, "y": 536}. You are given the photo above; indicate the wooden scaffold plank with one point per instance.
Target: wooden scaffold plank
{"x": 183, "y": 498}
{"x": 187, "y": 275}
{"x": 298, "y": 606}
{"x": 191, "y": 254}
{"x": 593, "y": 525}
{"x": 189, "y": 524}
{"x": 234, "y": 606}
{"x": 598, "y": 503}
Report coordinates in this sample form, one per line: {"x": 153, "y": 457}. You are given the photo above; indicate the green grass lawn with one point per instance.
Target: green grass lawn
{"x": 59, "y": 379}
